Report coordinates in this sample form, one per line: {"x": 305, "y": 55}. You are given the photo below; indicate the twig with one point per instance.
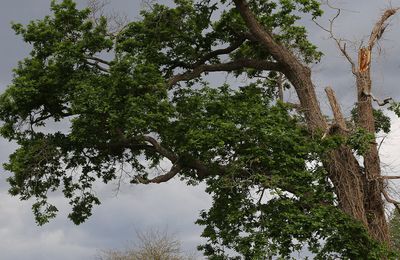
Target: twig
{"x": 337, "y": 113}
{"x": 338, "y": 41}
{"x": 380, "y": 26}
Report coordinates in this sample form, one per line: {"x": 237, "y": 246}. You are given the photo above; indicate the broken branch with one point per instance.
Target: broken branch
{"x": 337, "y": 113}
{"x": 380, "y": 26}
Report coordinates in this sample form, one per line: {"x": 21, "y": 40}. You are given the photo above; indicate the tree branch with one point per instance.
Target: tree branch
{"x": 380, "y": 103}
{"x": 229, "y": 66}
{"x": 390, "y": 177}
{"x": 380, "y": 27}
{"x": 338, "y": 41}
{"x": 390, "y": 200}
{"x": 175, "y": 169}
{"x": 337, "y": 113}
{"x": 278, "y": 51}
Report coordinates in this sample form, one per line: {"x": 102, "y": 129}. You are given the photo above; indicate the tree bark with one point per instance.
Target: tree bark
{"x": 373, "y": 186}
{"x": 359, "y": 193}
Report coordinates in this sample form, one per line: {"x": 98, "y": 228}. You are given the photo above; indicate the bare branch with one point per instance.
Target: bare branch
{"x": 229, "y": 66}
{"x": 388, "y": 177}
{"x": 381, "y": 142}
{"x": 339, "y": 42}
{"x": 380, "y": 103}
{"x": 116, "y": 21}
{"x": 337, "y": 113}
{"x": 380, "y": 27}
{"x": 390, "y": 200}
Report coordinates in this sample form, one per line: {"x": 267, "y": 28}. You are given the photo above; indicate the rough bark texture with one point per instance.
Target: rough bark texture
{"x": 358, "y": 189}
{"x": 373, "y": 187}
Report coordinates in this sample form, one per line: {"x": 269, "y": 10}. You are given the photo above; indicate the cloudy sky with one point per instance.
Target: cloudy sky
{"x": 172, "y": 205}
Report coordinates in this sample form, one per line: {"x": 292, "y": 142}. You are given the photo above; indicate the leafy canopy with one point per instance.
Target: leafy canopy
{"x": 270, "y": 194}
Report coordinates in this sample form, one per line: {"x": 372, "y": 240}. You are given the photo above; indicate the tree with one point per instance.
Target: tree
{"x": 153, "y": 245}
{"x": 282, "y": 176}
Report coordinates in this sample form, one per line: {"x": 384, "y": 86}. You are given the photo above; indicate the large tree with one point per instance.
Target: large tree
{"x": 282, "y": 175}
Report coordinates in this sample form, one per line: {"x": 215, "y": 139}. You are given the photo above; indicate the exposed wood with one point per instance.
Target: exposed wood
{"x": 388, "y": 177}
{"x": 373, "y": 188}
{"x": 298, "y": 74}
{"x": 364, "y": 59}
{"x": 380, "y": 26}
{"x": 337, "y": 113}
{"x": 339, "y": 42}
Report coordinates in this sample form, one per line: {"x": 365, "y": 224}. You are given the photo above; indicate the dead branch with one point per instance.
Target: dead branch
{"x": 160, "y": 149}
{"x": 387, "y": 177}
{"x": 380, "y": 103}
{"x": 381, "y": 142}
{"x": 340, "y": 43}
{"x": 175, "y": 169}
{"x": 116, "y": 21}
{"x": 390, "y": 200}
{"x": 337, "y": 113}
{"x": 380, "y": 26}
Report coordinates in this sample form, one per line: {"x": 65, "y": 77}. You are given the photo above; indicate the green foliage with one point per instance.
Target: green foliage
{"x": 360, "y": 140}
{"x": 271, "y": 195}
{"x": 382, "y": 121}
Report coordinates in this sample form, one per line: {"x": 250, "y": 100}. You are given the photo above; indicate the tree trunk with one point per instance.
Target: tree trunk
{"x": 373, "y": 186}
{"x": 358, "y": 191}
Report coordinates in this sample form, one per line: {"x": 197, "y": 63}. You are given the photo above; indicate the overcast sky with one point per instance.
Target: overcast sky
{"x": 173, "y": 205}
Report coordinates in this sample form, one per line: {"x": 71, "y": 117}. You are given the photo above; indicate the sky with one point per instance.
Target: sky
{"x": 173, "y": 206}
